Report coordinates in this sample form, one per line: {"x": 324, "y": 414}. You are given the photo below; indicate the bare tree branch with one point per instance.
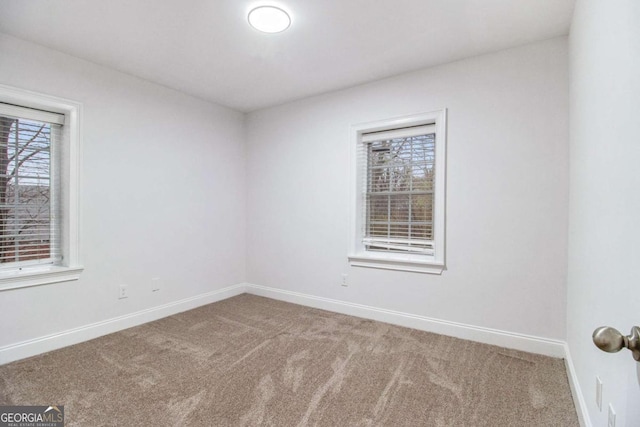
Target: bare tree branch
{"x": 26, "y": 144}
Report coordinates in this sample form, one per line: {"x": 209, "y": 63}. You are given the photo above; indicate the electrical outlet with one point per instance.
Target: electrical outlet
{"x": 612, "y": 417}
{"x": 599, "y": 393}
{"x": 344, "y": 280}
{"x": 123, "y": 292}
{"x": 155, "y": 284}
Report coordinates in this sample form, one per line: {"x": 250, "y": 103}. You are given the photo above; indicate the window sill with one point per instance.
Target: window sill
{"x": 400, "y": 263}
{"x": 36, "y": 276}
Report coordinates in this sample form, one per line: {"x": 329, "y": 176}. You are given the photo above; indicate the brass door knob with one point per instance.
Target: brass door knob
{"x": 611, "y": 340}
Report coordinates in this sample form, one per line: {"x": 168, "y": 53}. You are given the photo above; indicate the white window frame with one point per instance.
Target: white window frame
{"x": 358, "y": 255}
{"x": 71, "y": 267}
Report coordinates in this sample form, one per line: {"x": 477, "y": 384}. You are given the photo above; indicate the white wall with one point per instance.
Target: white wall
{"x": 163, "y": 189}
{"x": 507, "y": 192}
{"x": 604, "y": 231}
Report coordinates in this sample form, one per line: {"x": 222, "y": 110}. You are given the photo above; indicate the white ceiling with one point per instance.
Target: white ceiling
{"x": 207, "y": 49}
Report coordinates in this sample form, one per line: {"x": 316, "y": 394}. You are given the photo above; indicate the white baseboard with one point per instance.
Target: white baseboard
{"x": 548, "y": 347}
{"x": 576, "y": 391}
{"x": 531, "y": 344}
{"x": 46, "y": 343}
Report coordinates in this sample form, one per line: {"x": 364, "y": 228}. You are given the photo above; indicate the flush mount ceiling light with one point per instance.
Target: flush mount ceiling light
{"x": 269, "y": 19}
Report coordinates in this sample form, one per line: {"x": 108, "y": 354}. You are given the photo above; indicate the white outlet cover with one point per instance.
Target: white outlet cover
{"x": 612, "y": 417}
{"x": 123, "y": 292}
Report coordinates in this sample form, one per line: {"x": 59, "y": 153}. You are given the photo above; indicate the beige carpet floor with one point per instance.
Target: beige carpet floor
{"x": 252, "y": 361}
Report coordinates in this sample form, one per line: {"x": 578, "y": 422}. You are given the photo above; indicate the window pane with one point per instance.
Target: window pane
{"x": 399, "y": 231}
{"x": 399, "y": 207}
{"x": 25, "y": 214}
{"x": 400, "y": 183}
{"x": 422, "y": 232}
{"x": 422, "y": 207}
{"x": 378, "y": 179}
{"x": 378, "y": 208}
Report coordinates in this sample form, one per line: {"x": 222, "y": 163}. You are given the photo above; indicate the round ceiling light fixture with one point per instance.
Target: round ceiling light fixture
{"x": 269, "y": 19}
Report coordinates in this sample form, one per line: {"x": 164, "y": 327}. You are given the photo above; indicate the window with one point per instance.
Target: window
{"x": 39, "y": 155}
{"x": 398, "y": 202}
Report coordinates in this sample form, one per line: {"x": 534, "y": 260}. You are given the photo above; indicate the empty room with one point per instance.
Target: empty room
{"x": 319, "y": 213}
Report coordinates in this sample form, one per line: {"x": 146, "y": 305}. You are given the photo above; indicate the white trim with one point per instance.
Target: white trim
{"x": 528, "y": 343}
{"x": 72, "y": 167}
{"x": 405, "y": 132}
{"x": 54, "y": 341}
{"x": 357, "y": 255}
{"x": 395, "y": 262}
{"x": 31, "y": 114}
{"x": 73, "y": 214}
{"x": 576, "y": 391}
{"x": 36, "y": 276}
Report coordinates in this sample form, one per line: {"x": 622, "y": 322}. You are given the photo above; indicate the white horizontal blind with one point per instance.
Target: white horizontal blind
{"x": 29, "y": 200}
{"x": 399, "y": 189}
